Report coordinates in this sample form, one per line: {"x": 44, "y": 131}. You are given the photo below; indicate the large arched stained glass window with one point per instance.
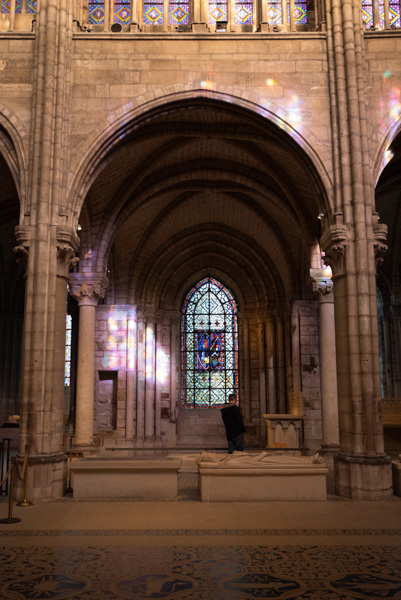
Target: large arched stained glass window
{"x": 209, "y": 344}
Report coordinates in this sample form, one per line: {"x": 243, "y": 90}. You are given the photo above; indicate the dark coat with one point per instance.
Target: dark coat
{"x": 233, "y": 421}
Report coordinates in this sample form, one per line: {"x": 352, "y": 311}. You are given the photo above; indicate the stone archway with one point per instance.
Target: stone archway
{"x": 199, "y": 188}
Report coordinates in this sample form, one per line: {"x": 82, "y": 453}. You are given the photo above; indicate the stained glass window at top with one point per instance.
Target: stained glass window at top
{"x": 153, "y": 12}
{"x": 5, "y": 6}
{"x": 243, "y": 11}
{"x": 217, "y": 11}
{"x": 209, "y": 346}
{"x": 96, "y": 12}
{"x": 122, "y": 11}
{"x": 394, "y": 13}
{"x": 179, "y": 12}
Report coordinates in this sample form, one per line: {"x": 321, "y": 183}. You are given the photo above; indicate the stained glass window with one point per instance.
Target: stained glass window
{"x": 179, "y": 12}
{"x": 275, "y": 12}
{"x": 209, "y": 344}
{"x": 96, "y": 12}
{"x": 122, "y": 11}
{"x": 243, "y": 12}
{"x": 153, "y": 12}
{"x": 31, "y": 6}
{"x": 5, "y": 6}
{"x": 217, "y": 11}
{"x": 394, "y": 13}
{"x": 68, "y": 335}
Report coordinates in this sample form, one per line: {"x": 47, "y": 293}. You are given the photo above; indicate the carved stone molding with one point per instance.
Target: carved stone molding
{"x": 334, "y": 242}
{"x": 380, "y": 239}
{"x": 22, "y": 235}
{"x": 88, "y": 288}
{"x": 67, "y": 247}
{"x": 322, "y": 285}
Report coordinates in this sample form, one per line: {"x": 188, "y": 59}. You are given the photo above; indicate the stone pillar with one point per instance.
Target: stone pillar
{"x": 42, "y": 398}
{"x": 150, "y": 373}
{"x": 131, "y": 376}
{"x": 87, "y": 289}
{"x": 351, "y": 236}
{"x": 271, "y": 365}
{"x": 140, "y": 400}
{"x": 323, "y": 287}
{"x": 175, "y": 357}
{"x": 282, "y": 408}
{"x": 262, "y": 372}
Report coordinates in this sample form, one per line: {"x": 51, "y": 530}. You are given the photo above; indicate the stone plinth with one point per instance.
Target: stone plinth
{"x": 396, "y": 468}
{"x": 125, "y": 478}
{"x": 284, "y": 431}
{"x": 283, "y": 479}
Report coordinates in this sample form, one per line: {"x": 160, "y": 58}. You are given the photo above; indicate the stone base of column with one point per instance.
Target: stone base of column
{"x": 327, "y": 452}
{"x": 86, "y": 449}
{"x": 47, "y": 477}
{"x": 363, "y": 478}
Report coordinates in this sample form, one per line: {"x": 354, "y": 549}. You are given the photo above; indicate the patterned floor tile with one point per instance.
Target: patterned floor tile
{"x": 200, "y": 573}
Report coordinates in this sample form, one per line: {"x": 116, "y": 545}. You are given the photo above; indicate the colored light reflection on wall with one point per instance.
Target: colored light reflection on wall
{"x": 162, "y": 367}
{"x": 131, "y": 358}
{"x": 149, "y": 362}
{"x": 116, "y": 342}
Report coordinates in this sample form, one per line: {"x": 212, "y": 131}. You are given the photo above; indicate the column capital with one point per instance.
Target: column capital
{"x": 23, "y": 235}
{"x": 322, "y": 285}
{"x": 380, "y": 239}
{"x": 334, "y": 242}
{"x": 67, "y": 246}
{"x": 88, "y": 288}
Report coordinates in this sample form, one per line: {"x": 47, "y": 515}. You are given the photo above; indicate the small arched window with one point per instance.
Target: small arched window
{"x": 209, "y": 345}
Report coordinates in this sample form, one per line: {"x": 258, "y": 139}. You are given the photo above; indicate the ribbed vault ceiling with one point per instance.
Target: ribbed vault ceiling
{"x": 201, "y": 189}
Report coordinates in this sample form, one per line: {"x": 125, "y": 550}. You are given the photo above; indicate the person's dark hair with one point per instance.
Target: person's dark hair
{"x": 231, "y": 397}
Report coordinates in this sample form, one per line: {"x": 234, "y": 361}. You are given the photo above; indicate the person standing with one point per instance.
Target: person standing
{"x": 234, "y": 425}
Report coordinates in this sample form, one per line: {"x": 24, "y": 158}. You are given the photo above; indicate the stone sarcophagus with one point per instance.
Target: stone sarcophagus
{"x": 241, "y": 477}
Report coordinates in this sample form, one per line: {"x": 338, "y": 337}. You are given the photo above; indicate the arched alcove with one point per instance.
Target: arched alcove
{"x": 199, "y": 189}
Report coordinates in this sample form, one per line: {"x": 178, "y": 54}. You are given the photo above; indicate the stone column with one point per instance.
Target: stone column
{"x": 87, "y": 289}
{"x": 281, "y": 366}
{"x": 323, "y": 287}
{"x": 131, "y": 376}
{"x": 150, "y": 372}
{"x": 175, "y": 358}
{"x": 271, "y": 365}
{"x": 140, "y": 400}
{"x": 351, "y": 235}
{"x": 262, "y": 372}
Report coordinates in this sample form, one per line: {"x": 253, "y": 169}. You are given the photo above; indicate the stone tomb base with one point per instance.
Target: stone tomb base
{"x": 284, "y": 482}
{"x": 95, "y": 478}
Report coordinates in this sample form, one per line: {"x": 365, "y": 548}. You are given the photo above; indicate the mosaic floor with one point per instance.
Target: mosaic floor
{"x": 209, "y": 561}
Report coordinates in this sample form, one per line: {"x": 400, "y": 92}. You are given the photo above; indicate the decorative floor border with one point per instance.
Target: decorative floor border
{"x": 199, "y": 532}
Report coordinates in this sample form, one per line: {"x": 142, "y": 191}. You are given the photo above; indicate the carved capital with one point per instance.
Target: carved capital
{"x": 380, "y": 239}
{"x": 88, "y": 288}
{"x": 67, "y": 247}
{"x": 322, "y": 285}
{"x": 22, "y": 235}
{"x": 334, "y": 242}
